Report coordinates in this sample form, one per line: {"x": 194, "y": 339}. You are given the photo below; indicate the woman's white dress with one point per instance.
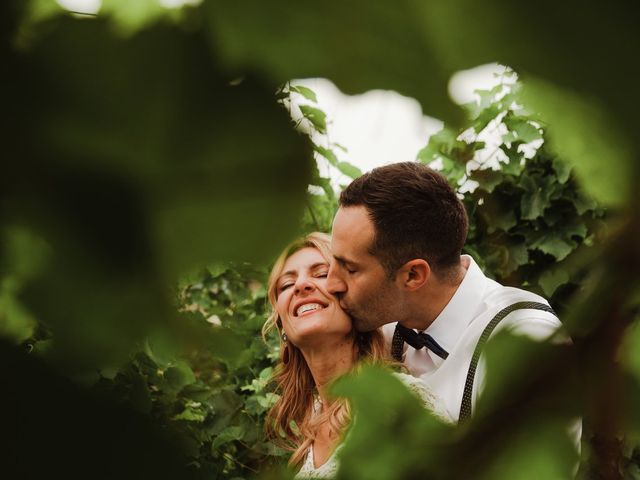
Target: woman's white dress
{"x": 329, "y": 469}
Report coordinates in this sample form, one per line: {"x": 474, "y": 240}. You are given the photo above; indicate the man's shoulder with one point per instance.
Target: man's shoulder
{"x": 529, "y": 321}
{"x": 499, "y": 294}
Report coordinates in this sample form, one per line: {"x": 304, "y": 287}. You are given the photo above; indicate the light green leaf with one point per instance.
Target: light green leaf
{"x": 523, "y": 129}
{"x": 305, "y": 92}
{"x": 190, "y": 415}
{"x": 349, "y": 170}
{"x": 327, "y": 153}
{"x": 485, "y": 117}
{"x": 316, "y": 116}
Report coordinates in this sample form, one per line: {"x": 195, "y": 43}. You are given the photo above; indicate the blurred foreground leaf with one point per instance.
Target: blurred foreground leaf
{"x": 136, "y": 160}
{"x": 384, "y": 410}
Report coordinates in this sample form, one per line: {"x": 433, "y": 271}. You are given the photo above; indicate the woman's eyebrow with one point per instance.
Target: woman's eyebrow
{"x": 318, "y": 264}
{"x": 291, "y": 273}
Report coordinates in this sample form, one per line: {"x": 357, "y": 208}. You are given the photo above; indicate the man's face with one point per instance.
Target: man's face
{"x": 356, "y": 277}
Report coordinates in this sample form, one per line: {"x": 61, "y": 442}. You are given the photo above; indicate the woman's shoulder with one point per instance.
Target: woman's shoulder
{"x": 426, "y": 395}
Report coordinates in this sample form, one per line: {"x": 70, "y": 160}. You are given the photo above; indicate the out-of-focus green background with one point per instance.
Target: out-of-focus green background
{"x": 151, "y": 171}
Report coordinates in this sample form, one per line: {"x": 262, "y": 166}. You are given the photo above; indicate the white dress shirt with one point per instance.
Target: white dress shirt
{"x": 459, "y": 326}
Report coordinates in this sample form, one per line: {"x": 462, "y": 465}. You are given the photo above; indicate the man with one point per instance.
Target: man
{"x": 397, "y": 244}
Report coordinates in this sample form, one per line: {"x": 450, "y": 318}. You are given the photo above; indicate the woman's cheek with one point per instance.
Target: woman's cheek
{"x": 282, "y": 308}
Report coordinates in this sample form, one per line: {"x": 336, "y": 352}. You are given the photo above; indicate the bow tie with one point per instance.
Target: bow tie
{"x": 416, "y": 340}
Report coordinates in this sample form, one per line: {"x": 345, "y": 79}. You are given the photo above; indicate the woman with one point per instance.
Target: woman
{"x": 318, "y": 344}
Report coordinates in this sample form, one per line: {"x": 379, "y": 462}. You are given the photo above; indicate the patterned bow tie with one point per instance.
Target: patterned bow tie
{"x": 416, "y": 340}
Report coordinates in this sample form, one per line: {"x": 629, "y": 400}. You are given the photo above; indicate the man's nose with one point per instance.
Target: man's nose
{"x": 335, "y": 284}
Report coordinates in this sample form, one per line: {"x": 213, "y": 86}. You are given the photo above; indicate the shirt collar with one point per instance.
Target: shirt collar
{"x": 447, "y": 328}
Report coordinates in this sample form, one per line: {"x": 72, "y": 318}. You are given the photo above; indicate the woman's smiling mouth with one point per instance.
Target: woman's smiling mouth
{"x": 308, "y": 308}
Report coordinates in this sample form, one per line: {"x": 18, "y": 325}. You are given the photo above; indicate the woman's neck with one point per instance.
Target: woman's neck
{"x": 327, "y": 362}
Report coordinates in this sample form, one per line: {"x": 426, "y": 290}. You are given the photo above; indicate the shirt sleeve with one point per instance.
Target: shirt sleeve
{"x": 535, "y": 324}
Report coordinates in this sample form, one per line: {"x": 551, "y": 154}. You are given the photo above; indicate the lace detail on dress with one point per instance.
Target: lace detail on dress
{"x": 328, "y": 469}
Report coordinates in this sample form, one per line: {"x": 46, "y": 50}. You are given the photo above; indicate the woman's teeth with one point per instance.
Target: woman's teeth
{"x": 308, "y": 307}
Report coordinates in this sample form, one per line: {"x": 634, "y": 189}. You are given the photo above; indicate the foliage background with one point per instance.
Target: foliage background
{"x": 146, "y": 143}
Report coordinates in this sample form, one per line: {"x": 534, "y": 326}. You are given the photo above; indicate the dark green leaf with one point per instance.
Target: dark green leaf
{"x": 550, "y": 280}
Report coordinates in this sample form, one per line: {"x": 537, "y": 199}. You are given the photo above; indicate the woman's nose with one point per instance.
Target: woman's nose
{"x": 304, "y": 285}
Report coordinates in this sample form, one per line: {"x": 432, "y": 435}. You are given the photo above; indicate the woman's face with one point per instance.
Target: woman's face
{"x": 309, "y": 313}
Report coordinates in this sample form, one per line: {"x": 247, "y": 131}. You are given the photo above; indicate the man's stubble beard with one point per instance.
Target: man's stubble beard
{"x": 379, "y": 311}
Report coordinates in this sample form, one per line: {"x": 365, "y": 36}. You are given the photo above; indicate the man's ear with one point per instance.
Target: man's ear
{"x": 415, "y": 273}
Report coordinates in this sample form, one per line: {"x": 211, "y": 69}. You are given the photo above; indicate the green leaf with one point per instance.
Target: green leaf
{"x": 551, "y": 279}
{"x": 388, "y": 47}
{"x": 631, "y": 350}
{"x": 488, "y": 179}
{"x": 536, "y": 197}
{"x": 498, "y": 213}
{"x": 562, "y": 169}
{"x": 523, "y": 129}
{"x": 179, "y": 376}
{"x": 584, "y": 203}
{"x": 140, "y": 396}
{"x": 16, "y": 323}
{"x": 485, "y": 116}
{"x": 439, "y": 143}
{"x": 305, "y": 92}
{"x": 225, "y": 344}
{"x": 190, "y": 415}
{"x": 229, "y": 434}
{"x": 132, "y": 16}
{"x": 584, "y": 133}
{"x": 326, "y": 153}
{"x": 316, "y": 116}
{"x": 373, "y": 391}
{"x": 349, "y": 170}
{"x": 555, "y": 246}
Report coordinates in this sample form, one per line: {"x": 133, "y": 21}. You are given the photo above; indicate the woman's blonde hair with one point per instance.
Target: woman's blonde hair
{"x": 294, "y": 381}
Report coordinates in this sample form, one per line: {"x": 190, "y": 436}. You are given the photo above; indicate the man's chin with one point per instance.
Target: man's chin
{"x": 362, "y": 325}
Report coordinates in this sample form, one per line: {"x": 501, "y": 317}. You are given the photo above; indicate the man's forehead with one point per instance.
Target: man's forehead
{"x": 352, "y": 231}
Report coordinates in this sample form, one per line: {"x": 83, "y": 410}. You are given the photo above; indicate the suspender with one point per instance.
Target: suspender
{"x": 465, "y": 407}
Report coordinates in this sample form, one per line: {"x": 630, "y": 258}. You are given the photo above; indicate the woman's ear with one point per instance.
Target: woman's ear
{"x": 415, "y": 273}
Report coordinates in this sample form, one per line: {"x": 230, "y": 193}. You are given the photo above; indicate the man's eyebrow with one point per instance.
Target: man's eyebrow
{"x": 342, "y": 260}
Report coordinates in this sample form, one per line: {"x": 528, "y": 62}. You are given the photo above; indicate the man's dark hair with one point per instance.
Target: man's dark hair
{"x": 415, "y": 212}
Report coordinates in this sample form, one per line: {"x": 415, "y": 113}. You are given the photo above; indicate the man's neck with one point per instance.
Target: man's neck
{"x": 430, "y": 303}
